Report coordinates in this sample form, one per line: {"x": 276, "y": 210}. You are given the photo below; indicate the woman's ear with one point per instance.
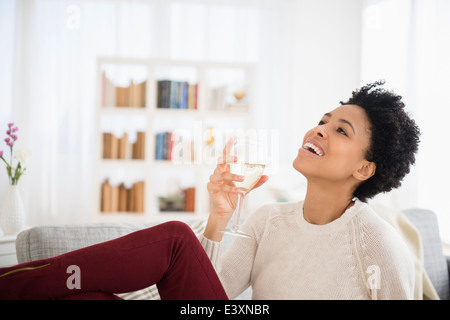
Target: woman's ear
{"x": 366, "y": 171}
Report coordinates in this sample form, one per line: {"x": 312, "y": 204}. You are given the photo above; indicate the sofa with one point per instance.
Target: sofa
{"x": 47, "y": 241}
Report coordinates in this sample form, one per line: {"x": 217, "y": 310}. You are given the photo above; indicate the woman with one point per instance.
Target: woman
{"x": 329, "y": 246}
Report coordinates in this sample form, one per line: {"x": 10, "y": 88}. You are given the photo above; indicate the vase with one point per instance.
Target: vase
{"x": 12, "y": 212}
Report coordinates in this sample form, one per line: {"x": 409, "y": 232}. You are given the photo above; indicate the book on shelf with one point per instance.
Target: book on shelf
{"x": 118, "y": 198}
{"x": 219, "y": 98}
{"x": 183, "y": 202}
{"x": 177, "y": 95}
{"x": 132, "y": 96}
{"x": 189, "y": 199}
{"x": 121, "y": 147}
{"x": 169, "y": 146}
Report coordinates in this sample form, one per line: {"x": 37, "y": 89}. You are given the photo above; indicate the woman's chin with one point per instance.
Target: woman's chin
{"x": 305, "y": 167}
{"x": 297, "y": 165}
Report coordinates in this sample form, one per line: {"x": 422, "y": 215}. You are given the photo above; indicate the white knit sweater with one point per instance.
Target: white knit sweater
{"x": 357, "y": 256}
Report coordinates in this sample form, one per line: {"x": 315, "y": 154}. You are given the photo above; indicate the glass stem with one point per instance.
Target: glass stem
{"x": 237, "y": 214}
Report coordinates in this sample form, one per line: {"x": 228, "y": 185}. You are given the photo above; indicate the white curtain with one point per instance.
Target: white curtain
{"x": 310, "y": 55}
{"x": 407, "y": 42}
{"x": 48, "y": 78}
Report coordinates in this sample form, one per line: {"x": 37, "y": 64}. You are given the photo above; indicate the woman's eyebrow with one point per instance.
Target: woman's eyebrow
{"x": 342, "y": 120}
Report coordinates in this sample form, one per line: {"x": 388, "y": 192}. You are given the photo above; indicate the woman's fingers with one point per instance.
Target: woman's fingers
{"x": 227, "y": 148}
{"x": 221, "y": 177}
{"x": 226, "y": 159}
{"x": 216, "y": 187}
{"x": 222, "y": 181}
{"x": 226, "y": 156}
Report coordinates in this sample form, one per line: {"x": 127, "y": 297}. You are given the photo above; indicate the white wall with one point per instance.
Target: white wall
{"x": 325, "y": 69}
{"x": 327, "y": 64}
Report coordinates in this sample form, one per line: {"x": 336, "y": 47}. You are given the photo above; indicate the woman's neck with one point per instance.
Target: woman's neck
{"x": 324, "y": 204}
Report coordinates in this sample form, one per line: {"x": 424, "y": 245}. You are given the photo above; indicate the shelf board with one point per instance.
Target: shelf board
{"x": 123, "y": 162}
{"x": 167, "y": 112}
{"x": 171, "y": 111}
{"x": 169, "y": 164}
{"x": 121, "y": 217}
{"x": 123, "y": 110}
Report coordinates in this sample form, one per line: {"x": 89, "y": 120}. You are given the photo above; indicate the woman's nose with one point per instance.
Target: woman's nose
{"x": 320, "y": 131}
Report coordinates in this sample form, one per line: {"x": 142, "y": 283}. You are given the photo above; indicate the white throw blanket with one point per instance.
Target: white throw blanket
{"x": 424, "y": 289}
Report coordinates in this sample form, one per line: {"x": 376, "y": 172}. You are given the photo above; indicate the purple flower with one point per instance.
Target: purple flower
{"x": 14, "y": 173}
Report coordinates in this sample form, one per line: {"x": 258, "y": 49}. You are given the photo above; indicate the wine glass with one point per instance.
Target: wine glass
{"x": 251, "y": 160}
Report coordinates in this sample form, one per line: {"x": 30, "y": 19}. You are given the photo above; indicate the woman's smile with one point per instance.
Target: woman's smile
{"x": 313, "y": 147}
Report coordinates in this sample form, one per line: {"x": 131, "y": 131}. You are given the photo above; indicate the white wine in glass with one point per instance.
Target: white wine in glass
{"x": 251, "y": 161}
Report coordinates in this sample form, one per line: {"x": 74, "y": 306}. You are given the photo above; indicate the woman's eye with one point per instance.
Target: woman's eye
{"x": 341, "y": 131}
{"x": 321, "y": 123}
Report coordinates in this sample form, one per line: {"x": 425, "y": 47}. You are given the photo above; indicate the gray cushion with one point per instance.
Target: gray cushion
{"x": 49, "y": 241}
{"x": 434, "y": 261}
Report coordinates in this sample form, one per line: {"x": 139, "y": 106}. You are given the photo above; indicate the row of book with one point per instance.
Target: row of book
{"x": 132, "y": 96}
{"x": 169, "y": 146}
{"x": 118, "y": 198}
{"x": 121, "y": 147}
{"x": 177, "y": 94}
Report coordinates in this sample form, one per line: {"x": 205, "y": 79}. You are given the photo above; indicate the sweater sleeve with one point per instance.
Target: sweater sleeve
{"x": 213, "y": 250}
{"x": 234, "y": 266}
{"x": 238, "y": 259}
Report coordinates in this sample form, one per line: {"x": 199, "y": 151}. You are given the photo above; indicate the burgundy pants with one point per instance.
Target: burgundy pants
{"x": 168, "y": 255}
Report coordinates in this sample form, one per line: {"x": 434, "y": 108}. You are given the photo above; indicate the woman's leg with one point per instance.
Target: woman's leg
{"x": 168, "y": 255}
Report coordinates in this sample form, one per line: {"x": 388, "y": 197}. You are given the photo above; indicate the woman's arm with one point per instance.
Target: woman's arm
{"x": 235, "y": 266}
{"x": 235, "y": 270}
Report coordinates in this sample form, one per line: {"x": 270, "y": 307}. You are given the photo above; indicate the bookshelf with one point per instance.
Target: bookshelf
{"x": 160, "y": 126}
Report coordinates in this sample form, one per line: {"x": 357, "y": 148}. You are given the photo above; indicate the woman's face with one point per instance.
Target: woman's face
{"x": 335, "y": 149}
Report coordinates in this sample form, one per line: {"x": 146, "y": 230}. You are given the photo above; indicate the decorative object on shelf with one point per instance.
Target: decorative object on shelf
{"x": 239, "y": 95}
{"x": 12, "y": 213}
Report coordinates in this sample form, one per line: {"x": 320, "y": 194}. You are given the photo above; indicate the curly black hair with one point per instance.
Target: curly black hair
{"x": 394, "y": 139}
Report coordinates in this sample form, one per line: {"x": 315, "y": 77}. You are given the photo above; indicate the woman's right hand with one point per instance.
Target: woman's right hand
{"x": 223, "y": 193}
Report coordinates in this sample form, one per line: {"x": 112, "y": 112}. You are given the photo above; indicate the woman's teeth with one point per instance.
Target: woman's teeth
{"x": 309, "y": 146}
